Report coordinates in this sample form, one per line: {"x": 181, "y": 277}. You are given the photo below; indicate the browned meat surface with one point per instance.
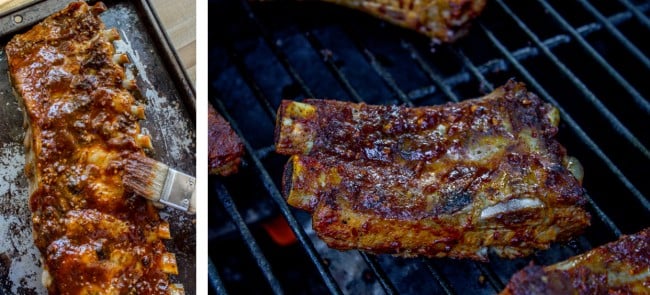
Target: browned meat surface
{"x": 224, "y": 147}
{"x": 620, "y": 267}
{"x": 454, "y": 180}
{"x": 442, "y": 20}
{"x": 81, "y": 124}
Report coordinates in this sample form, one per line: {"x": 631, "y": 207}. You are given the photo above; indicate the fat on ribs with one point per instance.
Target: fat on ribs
{"x": 454, "y": 180}
{"x": 619, "y": 267}
{"x": 224, "y": 146}
{"x": 81, "y": 125}
{"x": 441, "y": 20}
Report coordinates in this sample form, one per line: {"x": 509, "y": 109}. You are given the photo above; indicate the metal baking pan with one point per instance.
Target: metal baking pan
{"x": 170, "y": 111}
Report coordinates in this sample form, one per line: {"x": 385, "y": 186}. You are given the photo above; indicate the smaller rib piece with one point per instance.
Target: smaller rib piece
{"x": 620, "y": 267}
{"x": 224, "y": 146}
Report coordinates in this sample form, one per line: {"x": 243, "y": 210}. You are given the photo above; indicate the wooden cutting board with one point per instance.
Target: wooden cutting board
{"x": 6, "y": 5}
{"x": 178, "y": 17}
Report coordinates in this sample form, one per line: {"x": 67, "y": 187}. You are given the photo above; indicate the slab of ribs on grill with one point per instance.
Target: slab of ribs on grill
{"x": 620, "y": 267}
{"x": 455, "y": 180}
{"x": 81, "y": 125}
{"x": 441, "y": 20}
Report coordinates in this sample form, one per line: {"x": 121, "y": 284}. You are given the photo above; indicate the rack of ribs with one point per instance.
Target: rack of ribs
{"x": 224, "y": 146}
{"x": 456, "y": 180}
{"x": 81, "y": 123}
{"x": 620, "y": 267}
{"x": 441, "y": 20}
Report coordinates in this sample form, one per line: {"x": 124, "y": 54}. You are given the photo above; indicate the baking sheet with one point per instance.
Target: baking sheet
{"x": 170, "y": 122}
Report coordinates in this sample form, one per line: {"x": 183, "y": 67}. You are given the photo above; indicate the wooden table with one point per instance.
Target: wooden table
{"x": 178, "y": 17}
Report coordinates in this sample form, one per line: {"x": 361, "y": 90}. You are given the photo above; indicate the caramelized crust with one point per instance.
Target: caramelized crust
{"x": 441, "y": 20}
{"x": 81, "y": 124}
{"x": 224, "y": 147}
{"x": 445, "y": 181}
{"x": 620, "y": 267}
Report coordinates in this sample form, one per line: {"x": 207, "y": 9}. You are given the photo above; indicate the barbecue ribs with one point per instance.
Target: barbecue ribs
{"x": 620, "y": 267}
{"x": 454, "y": 180}
{"x": 81, "y": 125}
{"x": 442, "y": 20}
{"x": 224, "y": 147}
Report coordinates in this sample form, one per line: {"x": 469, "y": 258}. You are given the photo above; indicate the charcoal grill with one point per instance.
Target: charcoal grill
{"x": 586, "y": 57}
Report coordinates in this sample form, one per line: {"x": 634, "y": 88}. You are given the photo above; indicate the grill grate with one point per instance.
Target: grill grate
{"x": 637, "y": 13}
{"x": 261, "y": 56}
{"x": 600, "y": 106}
{"x": 262, "y": 263}
{"x": 528, "y": 52}
{"x": 214, "y": 279}
{"x": 275, "y": 194}
{"x": 616, "y": 33}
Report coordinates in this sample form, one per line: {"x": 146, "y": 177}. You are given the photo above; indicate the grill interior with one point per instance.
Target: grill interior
{"x": 585, "y": 57}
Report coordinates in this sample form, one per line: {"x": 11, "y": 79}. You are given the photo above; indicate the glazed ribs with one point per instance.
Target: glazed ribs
{"x": 441, "y": 20}
{"x": 620, "y": 267}
{"x": 81, "y": 125}
{"x": 224, "y": 146}
{"x": 454, "y": 180}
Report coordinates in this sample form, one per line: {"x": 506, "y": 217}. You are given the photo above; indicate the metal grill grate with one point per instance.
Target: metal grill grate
{"x": 586, "y": 58}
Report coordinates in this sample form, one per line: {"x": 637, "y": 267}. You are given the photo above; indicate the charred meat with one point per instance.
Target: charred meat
{"x": 442, "y": 20}
{"x": 620, "y": 267}
{"x": 81, "y": 125}
{"x": 454, "y": 180}
{"x": 224, "y": 147}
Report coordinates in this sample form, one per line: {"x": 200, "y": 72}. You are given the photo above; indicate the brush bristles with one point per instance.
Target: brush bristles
{"x": 145, "y": 177}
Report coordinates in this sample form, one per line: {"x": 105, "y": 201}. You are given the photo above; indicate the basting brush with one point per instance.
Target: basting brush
{"x": 157, "y": 182}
